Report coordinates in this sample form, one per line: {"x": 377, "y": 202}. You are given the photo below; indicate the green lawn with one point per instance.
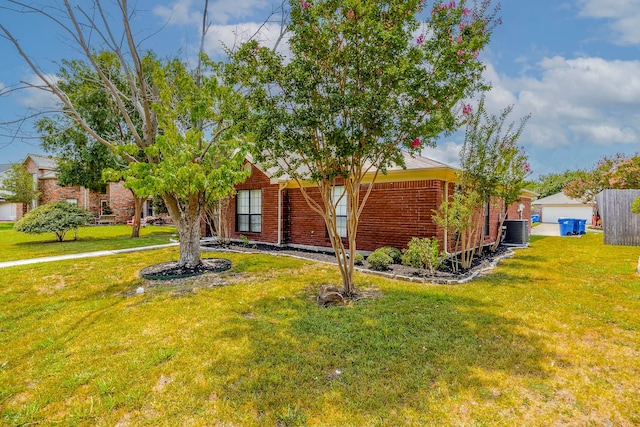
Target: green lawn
{"x": 15, "y": 245}
{"x": 550, "y": 338}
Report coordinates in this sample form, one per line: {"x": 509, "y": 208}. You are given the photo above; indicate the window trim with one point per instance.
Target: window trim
{"x": 250, "y": 216}
{"x": 336, "y": 192}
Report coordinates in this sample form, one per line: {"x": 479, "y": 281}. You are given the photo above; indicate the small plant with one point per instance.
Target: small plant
{"x": 107, "y": 210}
{"x": 394, "y": 253}
{"x": 423, "y": 253}
{"x": 358, "y": 259}
{"x": 244, "y": 239}
{"x": 378, "y": 260}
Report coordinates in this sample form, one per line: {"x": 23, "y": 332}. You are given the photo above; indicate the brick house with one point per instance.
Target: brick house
{"x": 116, "y": 197}
{"x": 273, "y": 210}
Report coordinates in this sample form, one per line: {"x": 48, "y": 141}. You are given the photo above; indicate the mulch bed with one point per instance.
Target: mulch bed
{"x": 481, "y": 264}
{"x": 170, "y": 270}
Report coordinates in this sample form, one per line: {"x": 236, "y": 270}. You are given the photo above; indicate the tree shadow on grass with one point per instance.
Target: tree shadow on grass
{"x": 399, "y": 351}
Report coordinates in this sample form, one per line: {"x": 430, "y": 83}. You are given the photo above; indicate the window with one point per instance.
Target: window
{"x": 148, "y": 207}
{"x": 340, "y": 201}
{"x": 249, "y": 211}
{"x": 72, "y": 201}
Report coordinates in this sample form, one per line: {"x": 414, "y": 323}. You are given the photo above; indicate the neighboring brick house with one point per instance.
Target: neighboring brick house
{"x": 273, "y": 210}
{"x": 116, "y": 197}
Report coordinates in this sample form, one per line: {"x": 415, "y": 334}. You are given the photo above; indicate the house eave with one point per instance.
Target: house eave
{"x": 401, "y": 175}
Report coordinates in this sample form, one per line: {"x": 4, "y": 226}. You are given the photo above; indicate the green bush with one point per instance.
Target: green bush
{"x": 56, "y": 218}
{"x": 378, "y": 260}
{"x": 394, "y": 253}
{"x": 635, "y": 206}
{"x": 423, "y": 253}
{"x": 358, "y": 259}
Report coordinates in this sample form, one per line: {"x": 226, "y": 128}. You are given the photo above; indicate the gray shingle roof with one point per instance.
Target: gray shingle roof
{"x": 44, "y": 162}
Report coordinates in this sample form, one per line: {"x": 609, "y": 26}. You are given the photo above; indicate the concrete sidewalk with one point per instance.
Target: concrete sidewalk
{"x": 82, "y": 255}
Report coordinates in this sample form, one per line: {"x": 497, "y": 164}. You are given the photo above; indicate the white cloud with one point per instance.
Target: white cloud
{"x": 35, "y": 95}
{"x": 623, "y": 14}
{"x": 574, "y": 101}
{"x": 447, "y": 153}
{"x": 232, "y": 35}
{"x": 179, "y": 13}
{"x": 183, "y": 12}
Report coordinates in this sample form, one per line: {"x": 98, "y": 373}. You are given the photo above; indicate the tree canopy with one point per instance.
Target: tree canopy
{"x": 616, "y": 172}
{"x": 18, "y": 185}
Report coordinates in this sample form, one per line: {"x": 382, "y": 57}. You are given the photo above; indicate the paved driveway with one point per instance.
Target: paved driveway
{"x": 546, "y": 229}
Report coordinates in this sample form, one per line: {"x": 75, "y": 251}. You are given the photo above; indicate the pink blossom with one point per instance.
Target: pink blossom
{"x": 459, "y": 39}
{"x": 465, "y": 11}
{"x": 467, "y": 109}
{"x": 415, "y": 143}
{"x": 420, "y": 39}
{"x": 527, "y": 167}
{"x": 304, "y": 4}
{"x": 351, "y": 14}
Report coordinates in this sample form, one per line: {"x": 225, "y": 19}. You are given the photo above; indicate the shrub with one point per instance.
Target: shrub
{"x": 56, "y": 218}
{"x": 394, "y": 253}
{"x": 423, "y": 253}
{"x": 635, "y": 206}
{"x": 358, "y": 259}
{"x": 378, "y": 260}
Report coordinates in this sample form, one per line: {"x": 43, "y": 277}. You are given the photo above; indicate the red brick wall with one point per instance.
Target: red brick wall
{"x": 394, "y": 213}
{"x": 269, "y": 226}
{"x": 119, "y": 198}
{"x": 526, "y": 213}
{"x": 121, "y": 202}
{"x": 50, "y": 192}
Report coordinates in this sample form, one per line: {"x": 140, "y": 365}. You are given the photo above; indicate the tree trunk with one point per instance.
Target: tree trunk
{"x": 135, "y": 229}
{"x": 494, "y": 247}
{"x": 187, "y": 221}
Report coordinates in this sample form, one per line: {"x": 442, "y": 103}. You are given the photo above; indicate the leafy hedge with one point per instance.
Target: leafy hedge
{"x": 56, "y": 218}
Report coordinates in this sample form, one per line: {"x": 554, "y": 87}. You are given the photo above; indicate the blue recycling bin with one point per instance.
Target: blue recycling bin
{"x": 535, "y": 218}
{"x": 582, "y": 227}
{"x": 566, "y": 226}
{"x": 576, "y": 225}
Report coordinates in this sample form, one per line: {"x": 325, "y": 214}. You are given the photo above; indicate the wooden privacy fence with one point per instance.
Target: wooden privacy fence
{"x": 620, "y": 226}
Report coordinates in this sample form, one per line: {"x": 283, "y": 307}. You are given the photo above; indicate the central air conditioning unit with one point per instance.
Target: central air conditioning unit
{"x": 516, "y": 232}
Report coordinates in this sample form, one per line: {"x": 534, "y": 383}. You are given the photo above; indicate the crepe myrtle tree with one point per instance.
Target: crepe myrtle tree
{"x": 492, "y": 164}
{"x": 493, "y": 169}
{"x": 365, "y": 80}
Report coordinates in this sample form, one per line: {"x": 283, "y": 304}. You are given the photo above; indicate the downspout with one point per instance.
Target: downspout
{"x": 281, "y": 186}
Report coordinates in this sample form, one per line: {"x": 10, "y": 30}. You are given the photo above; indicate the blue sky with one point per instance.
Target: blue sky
{"x": 574, "y": 65}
